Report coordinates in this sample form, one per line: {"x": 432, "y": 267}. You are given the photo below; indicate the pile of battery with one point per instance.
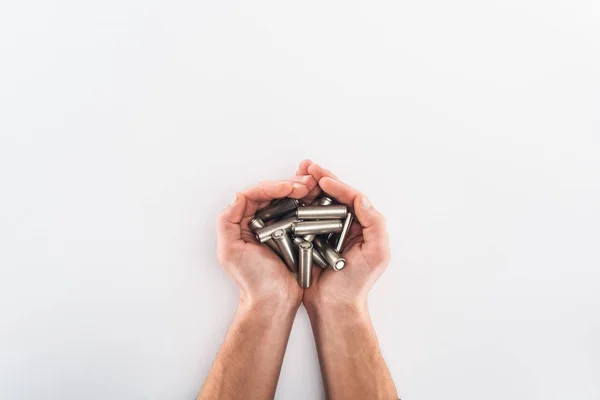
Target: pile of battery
{"x": 303, "y": 235}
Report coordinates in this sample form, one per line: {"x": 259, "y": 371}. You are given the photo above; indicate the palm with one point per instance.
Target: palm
{"x": 263, "y": 263}
{"x": 255, "y": 268}
{"x": 342, "y": 285}
{"x": 364, "y": 260}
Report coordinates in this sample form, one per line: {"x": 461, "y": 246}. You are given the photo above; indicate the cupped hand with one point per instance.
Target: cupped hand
{"x": 366, "y": 249}
{"x": 260, "y": 274}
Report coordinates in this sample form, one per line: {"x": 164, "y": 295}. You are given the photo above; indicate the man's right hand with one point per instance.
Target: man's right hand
{"x": 259, "y": 273}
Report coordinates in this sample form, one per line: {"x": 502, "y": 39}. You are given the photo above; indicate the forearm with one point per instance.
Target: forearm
{"x": 351, "y": 362}
{"x": 249, "y": 361}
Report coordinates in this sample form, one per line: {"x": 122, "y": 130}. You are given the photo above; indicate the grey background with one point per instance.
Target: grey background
{"x": 127, "y": 125}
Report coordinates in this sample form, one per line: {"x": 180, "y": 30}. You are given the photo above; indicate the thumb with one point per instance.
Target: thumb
{"x": 374, "y": 232}
{"x": 228, "y": 222}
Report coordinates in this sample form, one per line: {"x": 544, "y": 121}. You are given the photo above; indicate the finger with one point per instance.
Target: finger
{"x": 303, "y": 170}
{"x": 373, "y": 223}
{"x": 303, "y": 185}
{"x": 267, "y": 191}
{"x": 307, "y": 180}
{"x": 228, "y": 222}
{"x": 319, "y": 172}
{"x": 313, "y": 194}
{"x": 314, "y": 191}
{"x": 303, "y": 167}
{"x": 339, "y": 190}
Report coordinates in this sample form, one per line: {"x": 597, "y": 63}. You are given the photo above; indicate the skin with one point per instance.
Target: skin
{"x": 351, "y": 363}
{"x": 269, "y": 299}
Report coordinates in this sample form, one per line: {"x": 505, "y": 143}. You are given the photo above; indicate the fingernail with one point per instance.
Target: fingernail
{"x": 297, "y": 185}
{"x": 234, "y": 200}
{"x": 365, "y": 203}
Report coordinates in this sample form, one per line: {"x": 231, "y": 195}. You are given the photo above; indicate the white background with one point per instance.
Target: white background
{"x": 125, "y": 126}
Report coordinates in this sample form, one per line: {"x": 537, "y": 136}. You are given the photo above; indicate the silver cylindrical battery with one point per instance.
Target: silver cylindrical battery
{"x": 317, "y": 257}
{"x": 322, "y": 201}
{"x": 278, "y": 208}
{"x": 286, "y": 248}
{"x": 257, "y": 224}
{"x": 265, "y": 233}
{"x": 322, "y": 212}
{"x": 305, "y": 263}
{"x": 344, "y": 233}
{"x": 333, "y": 258}
{"x": 317, "y": 227}
{"x": 319, "y": 201}
{"x": 309, "y": 238}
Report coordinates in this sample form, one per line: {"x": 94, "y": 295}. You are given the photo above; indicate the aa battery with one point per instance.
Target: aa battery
{"x": 284, "y": 244}
{"x": 278, "y": 208}
{"x": 265, "y": 233}
{"x": 322, "y": 212}
{"x": 257, "y": 224}
{"x": 319, "y": 201}
{"x": 317, "y": 257}
{"x": 322, "y": 201}
{"x": 344, "y": 233}
{"x": 317, "y": 227}
{"x": 305, "y": 262}
{"x": 333, "y": 258}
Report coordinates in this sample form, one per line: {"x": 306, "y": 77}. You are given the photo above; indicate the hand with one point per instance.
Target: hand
{"x": 366, "y": 248}
{"x": 260, "y": 274}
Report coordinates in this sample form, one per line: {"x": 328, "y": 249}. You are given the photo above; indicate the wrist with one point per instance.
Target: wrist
{"x": 268, "y": 306}
{"x": 337, "y": 309}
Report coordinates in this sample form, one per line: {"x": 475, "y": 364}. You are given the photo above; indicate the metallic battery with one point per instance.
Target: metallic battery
{"x": 317, "y": 227}
{"x": 288, "y": 214}
{"x": 257, "y": 224}
{"x": 345, "y": 231}
{"x": 309, "y": 238}
{"x": 292, "y": 213}
{"x": 319, "y": 201}
{"x": 265, "y": 233}
{"x": 322, "y": 212}
{"x": 278, "y": 208}
{"x": 286, "y": 248}
{"x": 322, "y": 201}
{"x": 305, "y": 262}
{"x": 333, "y": 258}
{"x": 317, "y": 257}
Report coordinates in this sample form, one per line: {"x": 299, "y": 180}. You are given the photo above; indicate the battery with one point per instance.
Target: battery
{"x": 305, "y": 263}
{"x": 345, "y": 231}
{"x": 265, "y": 233}
{"x": 256, "y": 224}
{"x": 278, "y": 208}
{"x": 333, "y": 258}
{"x": 284, "y": 244}
{"x": 319, "y": 201}
{"x": 317, "y": 257}
{"x": 317, "y": 227}
{"x": 322, "y": 212}
{"x": 322, "y": 201}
